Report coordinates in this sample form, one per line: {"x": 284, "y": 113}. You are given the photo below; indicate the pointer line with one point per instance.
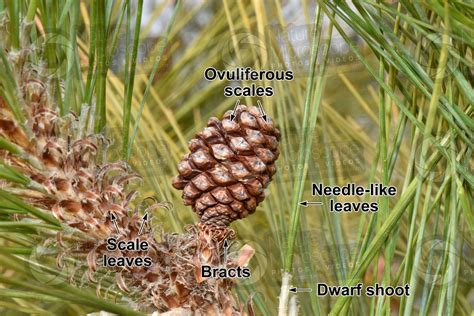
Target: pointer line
{"x": 262, "y": 111}
{"x": 144, "y": 220}
{"x": 306, "y": 203}
{"x": 300, "y": 289}
{"x": 226, "y": 245}
{"x": 113, "y": 218}
{"x": 233, "y": 115}
{"x": 116, "y": 227}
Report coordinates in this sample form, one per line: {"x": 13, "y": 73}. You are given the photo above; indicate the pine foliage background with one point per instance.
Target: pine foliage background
{"x": 383, "y": 93}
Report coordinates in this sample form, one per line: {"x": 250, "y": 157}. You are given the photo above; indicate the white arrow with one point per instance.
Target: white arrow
{"x": 113, "y": 218}
{"x": 226, "y": 245}
{"x": 262, "y": 111}
{"x": 144, "y": 220}
{"x": 233, "y": 115}
{"x": 300, "y": 289}
{"x": 306, "y": 203}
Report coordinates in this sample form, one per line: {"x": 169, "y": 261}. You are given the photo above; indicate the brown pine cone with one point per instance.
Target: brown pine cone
{"x": 230, "y": 164}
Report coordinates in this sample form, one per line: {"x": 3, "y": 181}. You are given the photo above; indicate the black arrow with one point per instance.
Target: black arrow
{"x": 300, "y": 289}
{"x": 306, "y": 203}
{"x": 232, "y": 115}
{"x": 262, "y": 111}
{"x": 113, "y": 218}
{"x": 144, "y": 220}
{"x": 226, "y": 245}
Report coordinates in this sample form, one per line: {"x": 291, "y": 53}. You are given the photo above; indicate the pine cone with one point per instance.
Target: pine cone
{"x": 230, "y": 164}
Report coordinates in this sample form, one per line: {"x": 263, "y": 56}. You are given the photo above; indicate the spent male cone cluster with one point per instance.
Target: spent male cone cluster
{"x": 230, "y": 164}
{"x": 69, "y": 181}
